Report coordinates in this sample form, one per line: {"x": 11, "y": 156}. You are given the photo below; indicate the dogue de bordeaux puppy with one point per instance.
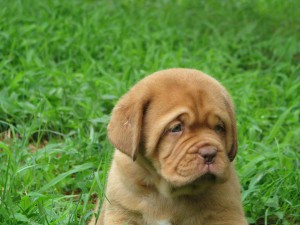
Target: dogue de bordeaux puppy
{"x": 176, "y": 139}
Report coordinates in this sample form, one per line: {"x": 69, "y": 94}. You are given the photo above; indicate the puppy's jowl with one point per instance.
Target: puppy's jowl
{"x": 176, "y": 139}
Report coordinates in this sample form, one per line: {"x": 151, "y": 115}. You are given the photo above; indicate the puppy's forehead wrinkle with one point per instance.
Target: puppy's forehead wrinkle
{"x": 173, "y": 114}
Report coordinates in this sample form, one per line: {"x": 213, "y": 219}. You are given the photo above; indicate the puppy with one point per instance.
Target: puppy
{"x": 175, "y": 138}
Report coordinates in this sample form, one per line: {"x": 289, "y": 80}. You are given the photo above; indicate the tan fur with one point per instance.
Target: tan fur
{"x": 161, "y": 128}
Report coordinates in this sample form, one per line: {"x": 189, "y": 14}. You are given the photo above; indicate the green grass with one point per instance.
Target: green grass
{"x": 63, "y": 65}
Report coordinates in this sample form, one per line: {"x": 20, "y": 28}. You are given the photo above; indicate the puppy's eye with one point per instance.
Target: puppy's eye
{"x": 220, "y": 128}
{"x": 177, "y": 128}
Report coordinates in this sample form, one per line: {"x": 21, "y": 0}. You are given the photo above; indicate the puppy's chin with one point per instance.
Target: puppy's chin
{"x": 198, "y": 186}
{"x": 210, "y": 178}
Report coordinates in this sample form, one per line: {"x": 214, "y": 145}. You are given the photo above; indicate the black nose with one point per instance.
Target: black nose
{"x": 208, "y": 153}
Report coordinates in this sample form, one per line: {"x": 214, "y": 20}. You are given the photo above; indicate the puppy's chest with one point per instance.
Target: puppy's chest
{"x": 163, "y": 222}
{"x": 173, "y": 213}
{"x": 186, "y": 221}
{"x": 160, "y": 222}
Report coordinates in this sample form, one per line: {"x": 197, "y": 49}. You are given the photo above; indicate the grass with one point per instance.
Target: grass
{"x": 63, "y": 65}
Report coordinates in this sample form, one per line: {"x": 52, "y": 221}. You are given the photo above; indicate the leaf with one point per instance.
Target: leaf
{"x": 20, "y": 217}
{"x": 104, "y": 119}
{"x": 63, "y": 175}
{"x": 273, "y": 202}
{"x": 16, "y": 80}
{"x": 280, "y": 215}
{"x": 278, "y": 125}
{"x": 5, "y": 148}
{"x": 108, "y": 97}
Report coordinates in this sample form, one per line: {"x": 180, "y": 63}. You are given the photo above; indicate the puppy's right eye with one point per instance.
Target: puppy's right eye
{"x": 177, "y": 128}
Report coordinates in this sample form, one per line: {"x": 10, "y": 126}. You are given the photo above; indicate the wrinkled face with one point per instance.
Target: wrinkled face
{"x": 183, "y": 120}
{"x": 188, "y": 137}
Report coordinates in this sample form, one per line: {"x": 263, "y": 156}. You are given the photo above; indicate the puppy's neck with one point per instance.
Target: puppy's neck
{"x": 154, "y": 177}
{"x": 147, "y": 165}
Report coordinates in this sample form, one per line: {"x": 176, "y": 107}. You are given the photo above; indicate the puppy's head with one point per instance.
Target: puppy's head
{"x": 183, "y": 122}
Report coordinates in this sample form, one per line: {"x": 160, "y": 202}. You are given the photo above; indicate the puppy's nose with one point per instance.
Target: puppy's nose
{"x": 208, "y": 153}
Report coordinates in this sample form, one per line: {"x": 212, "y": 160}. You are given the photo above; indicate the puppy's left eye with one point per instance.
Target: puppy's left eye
{"x": 220, "y": 128}
{"x": 176, "y": 129}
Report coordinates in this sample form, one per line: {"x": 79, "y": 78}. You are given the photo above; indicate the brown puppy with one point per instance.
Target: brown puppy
{"x": 175, "y": 135}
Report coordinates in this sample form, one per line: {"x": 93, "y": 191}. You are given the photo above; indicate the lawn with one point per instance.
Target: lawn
{"x": 64, "y": 64}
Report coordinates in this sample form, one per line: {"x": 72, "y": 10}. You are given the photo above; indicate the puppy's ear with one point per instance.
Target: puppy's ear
{"x": 234, "y": 139}
{"x": 125, "y": 126}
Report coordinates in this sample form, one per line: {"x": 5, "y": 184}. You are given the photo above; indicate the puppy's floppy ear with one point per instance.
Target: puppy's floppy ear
{"x": 125, "y": 126}
{"x": 234, "y": 141}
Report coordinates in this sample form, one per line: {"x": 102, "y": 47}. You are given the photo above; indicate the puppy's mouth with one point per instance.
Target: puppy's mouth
{"x": 199, "y": 182}
{"x": 209, "y": 176}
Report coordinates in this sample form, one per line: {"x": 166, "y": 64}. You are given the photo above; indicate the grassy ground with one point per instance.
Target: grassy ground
{"x": 63, "y": 65}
